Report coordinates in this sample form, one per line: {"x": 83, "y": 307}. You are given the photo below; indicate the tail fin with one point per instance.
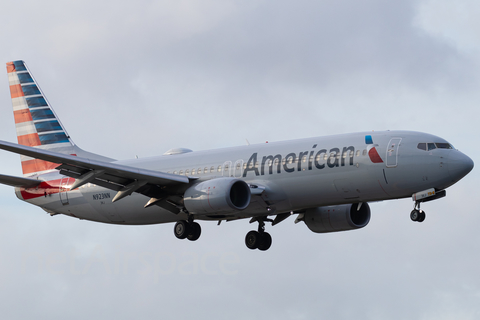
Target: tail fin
{"x": 36, "y": 123}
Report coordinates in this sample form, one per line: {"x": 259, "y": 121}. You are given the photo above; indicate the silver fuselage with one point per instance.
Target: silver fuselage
{"x": 296, "y": 175}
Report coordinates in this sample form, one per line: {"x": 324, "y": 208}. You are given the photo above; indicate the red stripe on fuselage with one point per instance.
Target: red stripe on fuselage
{"x": 374, "y": 156}
{"x": 46, "y": 188}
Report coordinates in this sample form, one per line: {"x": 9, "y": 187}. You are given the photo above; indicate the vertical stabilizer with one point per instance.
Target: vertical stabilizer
{"x": 36, "y": 123}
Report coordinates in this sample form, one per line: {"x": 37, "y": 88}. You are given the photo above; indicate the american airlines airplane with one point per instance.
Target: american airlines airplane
{"x": 326, "y": 182}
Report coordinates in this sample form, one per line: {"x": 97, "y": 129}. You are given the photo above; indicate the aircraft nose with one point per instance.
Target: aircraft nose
{"x": 459, "y": 165}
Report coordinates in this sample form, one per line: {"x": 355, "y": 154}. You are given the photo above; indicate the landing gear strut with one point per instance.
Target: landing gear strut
{"x": 187, "y": 229}
{"x": 417, "y": 214}
{"x": 260, "y": 239}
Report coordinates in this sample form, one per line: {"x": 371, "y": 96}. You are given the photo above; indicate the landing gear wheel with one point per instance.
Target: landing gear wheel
{"x": 266, "y": 241}
{"x": 414, "y": 215}
{"x": 422, "y": 216}
{"x": 195, "y": 231}
{"x": 417, "y": 215}
{"x": 253, "y": 239}
{"x": 181, "y": 229}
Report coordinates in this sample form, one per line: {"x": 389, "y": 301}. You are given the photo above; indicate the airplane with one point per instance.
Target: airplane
{"x": 327, "y": 182}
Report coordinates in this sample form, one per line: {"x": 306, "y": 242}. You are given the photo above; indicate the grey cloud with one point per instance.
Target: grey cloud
{"x": 211, "y": 75}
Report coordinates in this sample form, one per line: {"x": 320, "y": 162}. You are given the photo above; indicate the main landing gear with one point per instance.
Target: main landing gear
{"x": 187, "y": 229}
{"x": 260, "y": 239}
{"x": 417, "y": 214}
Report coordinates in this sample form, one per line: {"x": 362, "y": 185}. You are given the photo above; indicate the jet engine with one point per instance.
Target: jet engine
{"x": 337, "y": 218}
{"x": 221, "y": 195}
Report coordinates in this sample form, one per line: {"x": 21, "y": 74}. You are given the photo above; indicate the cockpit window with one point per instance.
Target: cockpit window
{"x": 422, "y": 146}
{"x": 427, "y": 146}
{"x": 442, "y": 145}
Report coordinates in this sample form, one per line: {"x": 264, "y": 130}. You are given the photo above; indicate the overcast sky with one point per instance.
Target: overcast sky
{"x": 139, "y": 78}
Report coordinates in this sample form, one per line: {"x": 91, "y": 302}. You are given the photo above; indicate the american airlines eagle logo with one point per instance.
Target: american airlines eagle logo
{"x": 372, "y": 150}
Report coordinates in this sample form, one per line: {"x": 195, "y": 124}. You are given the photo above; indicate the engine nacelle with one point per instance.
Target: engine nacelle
{"x": 337, "y": 218}
{"x": 221, "y": 195}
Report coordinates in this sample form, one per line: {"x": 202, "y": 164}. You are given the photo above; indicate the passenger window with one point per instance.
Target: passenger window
{"x": 199, "y": 171}
{"x": 193, "y": 172}
{"x": 431, "y": 146}
{"x": 422, "y": 146}
{"x": 174, "y": 172}
{"x": 205, "y": 170}
{"x": 219, "y": 169}
{"x": 226, "y": 168}
{"x": 212, "y": 169}
{"x": 187, "y": 172}
{"x": 365, "y": 152}
{"x": 181, "y": 172}
{"x": 358, "y": 153}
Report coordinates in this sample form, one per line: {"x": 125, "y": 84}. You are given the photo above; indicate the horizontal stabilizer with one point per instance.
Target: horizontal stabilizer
{"x": 19, "y": 182}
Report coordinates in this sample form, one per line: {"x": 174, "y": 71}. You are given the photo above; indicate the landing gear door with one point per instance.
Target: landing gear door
{"x": 392, "y": 152}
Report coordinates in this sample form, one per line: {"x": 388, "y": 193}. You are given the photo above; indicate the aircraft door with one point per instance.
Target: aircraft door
{"x": 63, "y": 191}
{"x": 392, "y": 152}
{"x": 238, "y": 168}
{"x": 227, "y": 167}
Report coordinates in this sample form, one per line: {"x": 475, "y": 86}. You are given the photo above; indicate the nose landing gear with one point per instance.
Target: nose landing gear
{"x": 417, "y": 214}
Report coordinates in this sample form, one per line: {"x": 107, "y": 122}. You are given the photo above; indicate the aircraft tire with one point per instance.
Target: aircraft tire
{"x": 266, "y": 241}
{"x": 421, "y": 216}
{"x": 414, "y": 215}
{"x": 181, "y": 229}
{"x": 252, "y": 239}
{"x": 195, "y": 231}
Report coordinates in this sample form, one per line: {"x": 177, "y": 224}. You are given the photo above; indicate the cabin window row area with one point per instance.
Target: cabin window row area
{"x": 243, "y": 164}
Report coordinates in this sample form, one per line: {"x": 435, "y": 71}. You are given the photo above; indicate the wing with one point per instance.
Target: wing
{"x": 123, "y": 179}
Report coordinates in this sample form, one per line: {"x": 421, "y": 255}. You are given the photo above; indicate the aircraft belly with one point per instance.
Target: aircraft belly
{"x": 127, "y": 211}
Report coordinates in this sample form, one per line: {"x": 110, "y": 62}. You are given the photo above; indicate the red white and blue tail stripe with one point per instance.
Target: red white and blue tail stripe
{"x": 35, "y": 121}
